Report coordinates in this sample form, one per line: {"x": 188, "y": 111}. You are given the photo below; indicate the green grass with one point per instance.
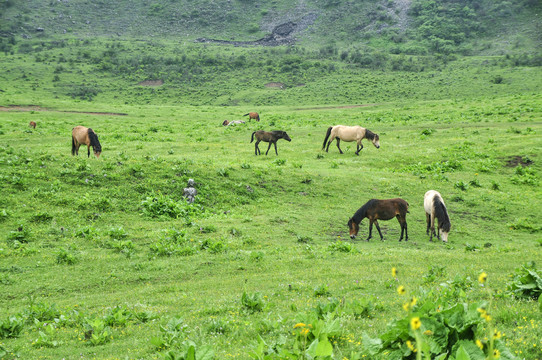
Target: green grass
{"x": 265, "y": 224}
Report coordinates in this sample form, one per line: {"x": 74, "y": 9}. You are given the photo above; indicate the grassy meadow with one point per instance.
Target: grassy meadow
{"x": 101, "y": 258}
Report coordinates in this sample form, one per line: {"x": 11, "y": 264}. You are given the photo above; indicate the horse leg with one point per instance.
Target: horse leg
{"x": 269, "y": 147}
{"x": 432, "y": 227}
{"x": 370, "y": 230}
{"x": 402, "y": 222}
{"x": 380, "y": 232}
{"x": 406, "y": 230}
{"x": 256, "y": 148}
{"x": 338, "y": 143}
{"x": 357, "y": 149}
{"x": 329, "y": 143}
{"x": 88, "y": 150}
{"x": 276, "y": 152}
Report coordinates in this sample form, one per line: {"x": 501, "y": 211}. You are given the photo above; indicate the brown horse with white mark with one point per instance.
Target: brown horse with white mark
{"x": 253, "y": 115}
{"x": 32, "y": 124}
{"x": 268, "y": 136}
{"x": 350, "y": 133}
{"x": 83, "y": 135}
{"x": 376, "y": 210}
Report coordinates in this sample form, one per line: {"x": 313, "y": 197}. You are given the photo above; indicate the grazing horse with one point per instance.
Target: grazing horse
{"x": 234, "y": 122}
{"x": 268, "y": 136}
{"x": 82, "y": 135}
{"x": 32, "y": 124}
{"x": 253, "y": 115}
{"x": 376, "y": 210}
{"x": 435, "y": 209}
{"x": 350, "y": 133}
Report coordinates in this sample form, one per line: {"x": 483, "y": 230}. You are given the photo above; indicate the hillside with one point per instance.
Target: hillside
{"x": 400, "y": 26}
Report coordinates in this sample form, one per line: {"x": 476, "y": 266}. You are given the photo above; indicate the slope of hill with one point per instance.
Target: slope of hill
{"x": 400, "y": 26}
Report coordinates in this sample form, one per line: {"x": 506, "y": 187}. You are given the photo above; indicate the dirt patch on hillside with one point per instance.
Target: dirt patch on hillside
{"x": 39, "y": 108}
{"x": 274, "y": 85}
{"x": 335, "y": 107}
{"x": 516, "y": 160}
{"x": 151, "y": 83}
{"x": 282, "y": 34}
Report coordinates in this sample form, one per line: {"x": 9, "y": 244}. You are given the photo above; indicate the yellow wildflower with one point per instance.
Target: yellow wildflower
{"x": 413, "y": 302}
{"x": 496, "y": 354}
{"x": 496, "y": 334}
{"x": 305, "y": 331}
{"x": 406, "y": 306}
{"x": 428, "y": 332}
{"x": 299, "y": 325}
{"x": 401, "y": 290}
{"x": 393, "y": 272}
{"x": 415, "y": 323}
{"x": 479, "y": 344}
{"x": 410, "y": 346}
{"x": 482, "y": 278}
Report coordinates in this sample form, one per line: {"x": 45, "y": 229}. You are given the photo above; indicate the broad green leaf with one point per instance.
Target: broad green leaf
{"x": 324, "y": 347}
{"x": 372, "y": 346}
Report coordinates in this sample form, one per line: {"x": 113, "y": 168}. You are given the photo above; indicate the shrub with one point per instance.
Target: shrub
{"x": 63, "y": 256}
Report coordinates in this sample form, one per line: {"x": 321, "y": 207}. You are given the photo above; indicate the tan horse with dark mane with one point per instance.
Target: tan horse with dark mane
{"x": 253, "y": 115}
{"x": 83, "y": 135}
{"x": 350, "y": 133}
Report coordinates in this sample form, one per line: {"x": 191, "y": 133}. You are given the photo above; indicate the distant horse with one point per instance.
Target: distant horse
{"x": 82, "y": 135}
{"x": 32, "y": 124}
{"x": 268, "y": 136}
{"x": 350, "y": 133}
{"x": 234, "y": 122}
{"x": 435, "y": 209}
{"x": 376, "y": 210}
{"x": 253, "y": 115}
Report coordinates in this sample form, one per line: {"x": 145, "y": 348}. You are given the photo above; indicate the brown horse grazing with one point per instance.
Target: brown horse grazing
{"x": 376, "y": 210}
{"x": 253, "y": 115}
{"x": 350, "y": 133}
{"x": 32, "y": 124}
{"x": 82, "y": 135}
{"x": 268, "y": 136}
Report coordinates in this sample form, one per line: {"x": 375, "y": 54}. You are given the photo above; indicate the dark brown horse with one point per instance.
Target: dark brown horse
{"x": 268, "y": 136}
{"x": 32, "y": 124}
{"x": 376, "y": 210}
{"x": 253, "y": 115}
{"x": 82, "y": 135}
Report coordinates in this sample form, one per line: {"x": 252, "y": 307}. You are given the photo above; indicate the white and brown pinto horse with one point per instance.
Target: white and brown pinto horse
{"x": 350, "y": 133}
{"x": 83, "y": 135}
{"x": 435, "y": 209}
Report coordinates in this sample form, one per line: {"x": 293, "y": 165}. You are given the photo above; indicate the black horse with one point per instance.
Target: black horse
{"x": 268, "y": 136}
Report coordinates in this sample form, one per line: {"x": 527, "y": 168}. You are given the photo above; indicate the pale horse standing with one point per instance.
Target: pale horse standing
{"x": 436, "y": 209}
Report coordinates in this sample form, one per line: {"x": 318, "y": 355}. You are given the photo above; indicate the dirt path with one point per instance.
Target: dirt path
{"x": 336, "y": 107}
{"x": 39, "y": 108}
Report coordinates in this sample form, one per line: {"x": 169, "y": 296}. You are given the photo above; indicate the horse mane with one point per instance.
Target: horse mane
{"x": 94, "y": 140}
{"x": 369, "y": 134}
{"x": 441, "y": 214}
{"x": 362, "y": 211}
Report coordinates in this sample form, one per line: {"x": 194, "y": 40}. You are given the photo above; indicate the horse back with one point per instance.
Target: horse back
{"x": 428, "y": 200}
{"x": 388, "y": 209}
{"x": 80, "y": 134}
{"x": 348, "y": 133}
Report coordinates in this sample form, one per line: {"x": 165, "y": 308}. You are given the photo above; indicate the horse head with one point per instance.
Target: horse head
{"x": 354, "y": 228}
{"x": 444, "y": 230}
{"x": 285, "y": 136}
{"x": 376, "y": 141}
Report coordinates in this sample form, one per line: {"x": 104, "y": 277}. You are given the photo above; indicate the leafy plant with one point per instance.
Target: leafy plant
{"x": 64, "y": 256}
{"x": 12, "y": 326}
{"x": 96, "y": 331}
{"x": 171, "y": 334}
{"x": 340, "y": 246}
{"x": 526, "y": 282}
{"x": 252, "y": 302}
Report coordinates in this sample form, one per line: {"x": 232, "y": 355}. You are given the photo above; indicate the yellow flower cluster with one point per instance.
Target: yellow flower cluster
{"x": 394, "y": 272}
{"x": 484, "y": 314}
{"x": 410, "y": 304}
{"x": 410, "y": 346}
{"x": 305, "y": 329}
{"x": 482, "y": 278}
{"x": 401, "y": 290}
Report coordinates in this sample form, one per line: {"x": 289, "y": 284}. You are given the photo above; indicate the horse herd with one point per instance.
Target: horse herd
{"x": 374, "y": 209}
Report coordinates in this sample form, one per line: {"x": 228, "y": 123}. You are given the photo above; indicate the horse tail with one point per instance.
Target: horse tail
{"x": 246, "y": 114}
{"x": 252, "y": 138}
{"x": 327, "y": 136}
{"x": 73, "y": 145}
